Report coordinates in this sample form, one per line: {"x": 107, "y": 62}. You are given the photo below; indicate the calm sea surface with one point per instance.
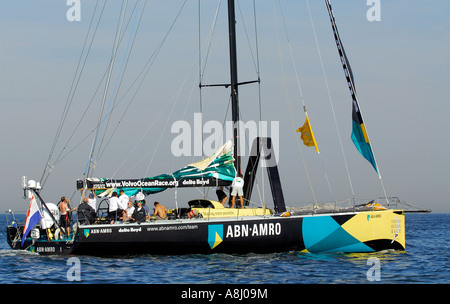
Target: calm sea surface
{"x": 425, "y": 261}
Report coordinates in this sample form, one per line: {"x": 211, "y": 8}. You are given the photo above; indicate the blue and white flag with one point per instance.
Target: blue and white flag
{"x": 33, "y": 217}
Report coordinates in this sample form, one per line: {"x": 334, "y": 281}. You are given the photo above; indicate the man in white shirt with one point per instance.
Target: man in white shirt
{"x": 92, "y": 201}
{"x": 114, "y": 207}
{"x": 123, "y": 198}
{"x": 237, "y": 185}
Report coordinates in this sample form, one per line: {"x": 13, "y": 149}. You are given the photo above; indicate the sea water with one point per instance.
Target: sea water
{"x": 425, "y": 261}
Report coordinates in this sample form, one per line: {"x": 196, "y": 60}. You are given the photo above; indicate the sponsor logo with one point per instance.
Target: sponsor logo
{"x": 373, "y": 216}
{"x": 249, "y": 230}
{"x": 88, "y": 232}
{"x": 130, "y": 229}
{"x": 198, "y": 182}
{"x": 45, "y": 249}
{"x": 136, "y": 184}
{"x": 151, "y": 183}
{"x": 217, "y": 234}
{"x": 172, "y": 228}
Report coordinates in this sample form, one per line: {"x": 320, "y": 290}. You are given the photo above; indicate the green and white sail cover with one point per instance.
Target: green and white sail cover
{"x": 216, "y": 170}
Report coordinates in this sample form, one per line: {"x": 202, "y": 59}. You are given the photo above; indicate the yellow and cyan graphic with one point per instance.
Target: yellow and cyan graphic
{"x": 215, "y": 235}
{"x": 360, "y": 232}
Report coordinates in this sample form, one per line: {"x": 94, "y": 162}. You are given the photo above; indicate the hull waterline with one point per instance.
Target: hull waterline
{"x": 367, "y": 231}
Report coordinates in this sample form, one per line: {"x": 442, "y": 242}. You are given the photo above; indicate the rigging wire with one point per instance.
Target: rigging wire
{"x": 61, "y": 157}
{"x": 331, "y": 100}
{"x": 147, "y": 67}
{"x": 301, "y": 93}
{"x": 208, "y": 42}
{"x": 144, "y": 73}
{"x": 100, "y": 120}
{"x": 141, "y": 76}
{"x": 122, "y": 71}
{"x": 352, "y": 85}
{"x": 138, "y": 143}
{"x": 177, "y": 98}
{"x": 247, "y": 36}
{"x": 258, "y": 71}
{"x": 116, "y": 103}
{"x": 255, "y": 59}
{"x": 289, "y": 103}
{"x": 201, "y": 73}
{"x": 74, "y": 86}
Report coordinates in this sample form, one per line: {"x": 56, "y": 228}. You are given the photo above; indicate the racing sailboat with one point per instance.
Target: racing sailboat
{"x": 206, "y": 226}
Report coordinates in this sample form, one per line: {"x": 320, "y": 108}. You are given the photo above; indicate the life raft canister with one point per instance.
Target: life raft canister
{"x": 192, "y": 214}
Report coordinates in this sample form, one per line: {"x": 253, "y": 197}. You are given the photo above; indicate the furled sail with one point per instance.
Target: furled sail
{"x": 216, "y": 170}
{"x": 359, "y": 134}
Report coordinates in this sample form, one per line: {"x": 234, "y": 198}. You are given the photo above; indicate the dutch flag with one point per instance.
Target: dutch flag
{"x": 33, "y": 217}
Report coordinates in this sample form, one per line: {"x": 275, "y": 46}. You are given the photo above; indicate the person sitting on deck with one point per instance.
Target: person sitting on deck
{"x": 160, "y": 211}
{"x": 128, "y": 214}
{"x": 139, "y": 214}
{"x": 147, "y": 210}
{"x": 85, "y": 213}
{"x": 92, "y": 200}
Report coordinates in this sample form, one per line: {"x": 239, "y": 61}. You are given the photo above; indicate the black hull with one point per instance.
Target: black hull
{"x": 233, "y": 236}
{"x": 41, "y": 246}
{"x": 195, "y": 238}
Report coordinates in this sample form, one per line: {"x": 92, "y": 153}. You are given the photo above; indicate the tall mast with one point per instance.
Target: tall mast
{"x": 234, "y": 83}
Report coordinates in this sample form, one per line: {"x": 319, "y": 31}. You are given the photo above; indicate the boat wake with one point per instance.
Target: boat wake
{"x": 11, "y": 252}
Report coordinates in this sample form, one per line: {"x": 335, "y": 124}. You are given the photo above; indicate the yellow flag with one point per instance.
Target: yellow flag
{"x": 307, "y": 135}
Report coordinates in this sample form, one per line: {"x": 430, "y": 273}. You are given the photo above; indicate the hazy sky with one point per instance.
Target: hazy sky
{"x": 401, "y": 66}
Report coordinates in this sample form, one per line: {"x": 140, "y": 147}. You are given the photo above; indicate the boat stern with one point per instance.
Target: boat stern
{"x": 379, "y": 230}
{"x": 365, "y": 231}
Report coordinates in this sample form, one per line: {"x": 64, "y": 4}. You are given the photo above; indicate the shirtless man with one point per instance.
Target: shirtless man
{"x": 64, "y": 214}
{"x": 160, "y": 211}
